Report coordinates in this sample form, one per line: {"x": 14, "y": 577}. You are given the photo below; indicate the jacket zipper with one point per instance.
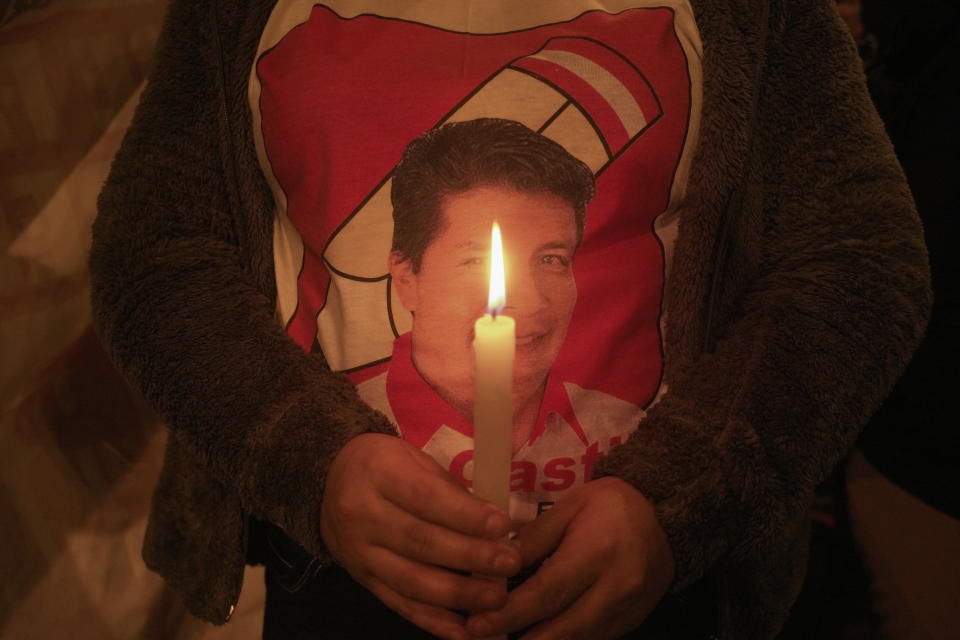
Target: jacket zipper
{"x": 721, "y": 249}
{"x": 214, "y": 10}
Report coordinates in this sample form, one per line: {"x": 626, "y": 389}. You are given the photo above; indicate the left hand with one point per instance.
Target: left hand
{"x": 610, "y": 566}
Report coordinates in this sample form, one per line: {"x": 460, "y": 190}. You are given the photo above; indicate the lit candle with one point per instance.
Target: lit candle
{"x": 494, "y": 345}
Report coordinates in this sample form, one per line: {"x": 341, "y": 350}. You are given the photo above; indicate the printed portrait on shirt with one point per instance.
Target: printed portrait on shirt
{"x": 451, "y": 185}
{"x": 389, "y": 167}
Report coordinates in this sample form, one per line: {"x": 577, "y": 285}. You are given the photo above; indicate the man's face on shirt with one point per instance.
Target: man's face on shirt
{"x": 449, "y": 292}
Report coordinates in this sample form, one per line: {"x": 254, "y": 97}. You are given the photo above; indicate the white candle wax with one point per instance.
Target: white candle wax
{"x": 494, "y": 345}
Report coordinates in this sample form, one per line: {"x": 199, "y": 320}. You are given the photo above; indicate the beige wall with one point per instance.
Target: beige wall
{"x": 79, "y": 453}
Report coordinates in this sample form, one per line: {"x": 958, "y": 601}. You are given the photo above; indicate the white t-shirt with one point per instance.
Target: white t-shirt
{"x": 340, "y": 88}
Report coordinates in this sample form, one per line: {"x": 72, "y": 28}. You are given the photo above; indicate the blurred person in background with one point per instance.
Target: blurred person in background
{"x": 903, "y": 479}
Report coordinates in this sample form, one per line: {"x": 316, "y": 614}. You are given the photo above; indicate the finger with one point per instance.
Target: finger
{"x": 539, "y": 538}
{"x": 436, "y": 620}
{"x": 593, "y": 617}
{"x": 558, "y": 583}
{"x": 421, "y": 540}
{"x": 440, "y": 499}
{"x": 436, "y": 586}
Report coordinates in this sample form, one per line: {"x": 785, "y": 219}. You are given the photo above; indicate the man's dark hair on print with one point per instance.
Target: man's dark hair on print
{"x": 460, "y": 156}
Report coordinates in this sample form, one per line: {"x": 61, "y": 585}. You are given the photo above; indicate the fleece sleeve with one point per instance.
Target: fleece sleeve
{"x": 732, "y": 453}
{"x": 181, "y": 313}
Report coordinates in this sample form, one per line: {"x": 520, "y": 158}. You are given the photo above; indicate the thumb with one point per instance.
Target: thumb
{"x": 540, "y": 538}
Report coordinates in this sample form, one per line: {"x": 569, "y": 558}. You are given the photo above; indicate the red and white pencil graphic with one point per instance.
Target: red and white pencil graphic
{"x": 577, "y": 91}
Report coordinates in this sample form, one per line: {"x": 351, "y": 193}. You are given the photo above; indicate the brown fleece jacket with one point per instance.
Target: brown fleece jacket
{"x": 799, "y": 289}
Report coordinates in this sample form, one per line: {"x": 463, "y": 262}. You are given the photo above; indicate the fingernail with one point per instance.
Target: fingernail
{"x": 480, "y": 627}
{"x": 494, "y": 523}
{"x": 503, "y": 562}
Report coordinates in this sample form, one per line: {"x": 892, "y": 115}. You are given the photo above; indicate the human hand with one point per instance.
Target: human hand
{"x": 610, "y": 565}
{"x": 399, "y": 523}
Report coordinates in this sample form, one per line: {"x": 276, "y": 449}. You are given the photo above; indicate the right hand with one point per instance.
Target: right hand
{"x": 399, "y": 524}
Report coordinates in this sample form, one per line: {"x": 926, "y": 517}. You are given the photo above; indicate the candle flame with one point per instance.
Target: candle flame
{"x": 498, "y": 294}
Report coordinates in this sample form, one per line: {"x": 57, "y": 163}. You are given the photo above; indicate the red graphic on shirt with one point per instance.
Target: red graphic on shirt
{"x": 342, "y": 98}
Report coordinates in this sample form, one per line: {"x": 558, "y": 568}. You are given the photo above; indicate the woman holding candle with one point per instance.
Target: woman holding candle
{"x": 797, "y": 289}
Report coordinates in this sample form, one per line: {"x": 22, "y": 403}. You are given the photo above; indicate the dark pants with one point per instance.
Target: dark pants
{"x": 308, "y": 602}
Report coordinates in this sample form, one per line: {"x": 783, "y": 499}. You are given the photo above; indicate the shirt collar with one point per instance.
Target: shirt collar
{"x": 420, "y": 411}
